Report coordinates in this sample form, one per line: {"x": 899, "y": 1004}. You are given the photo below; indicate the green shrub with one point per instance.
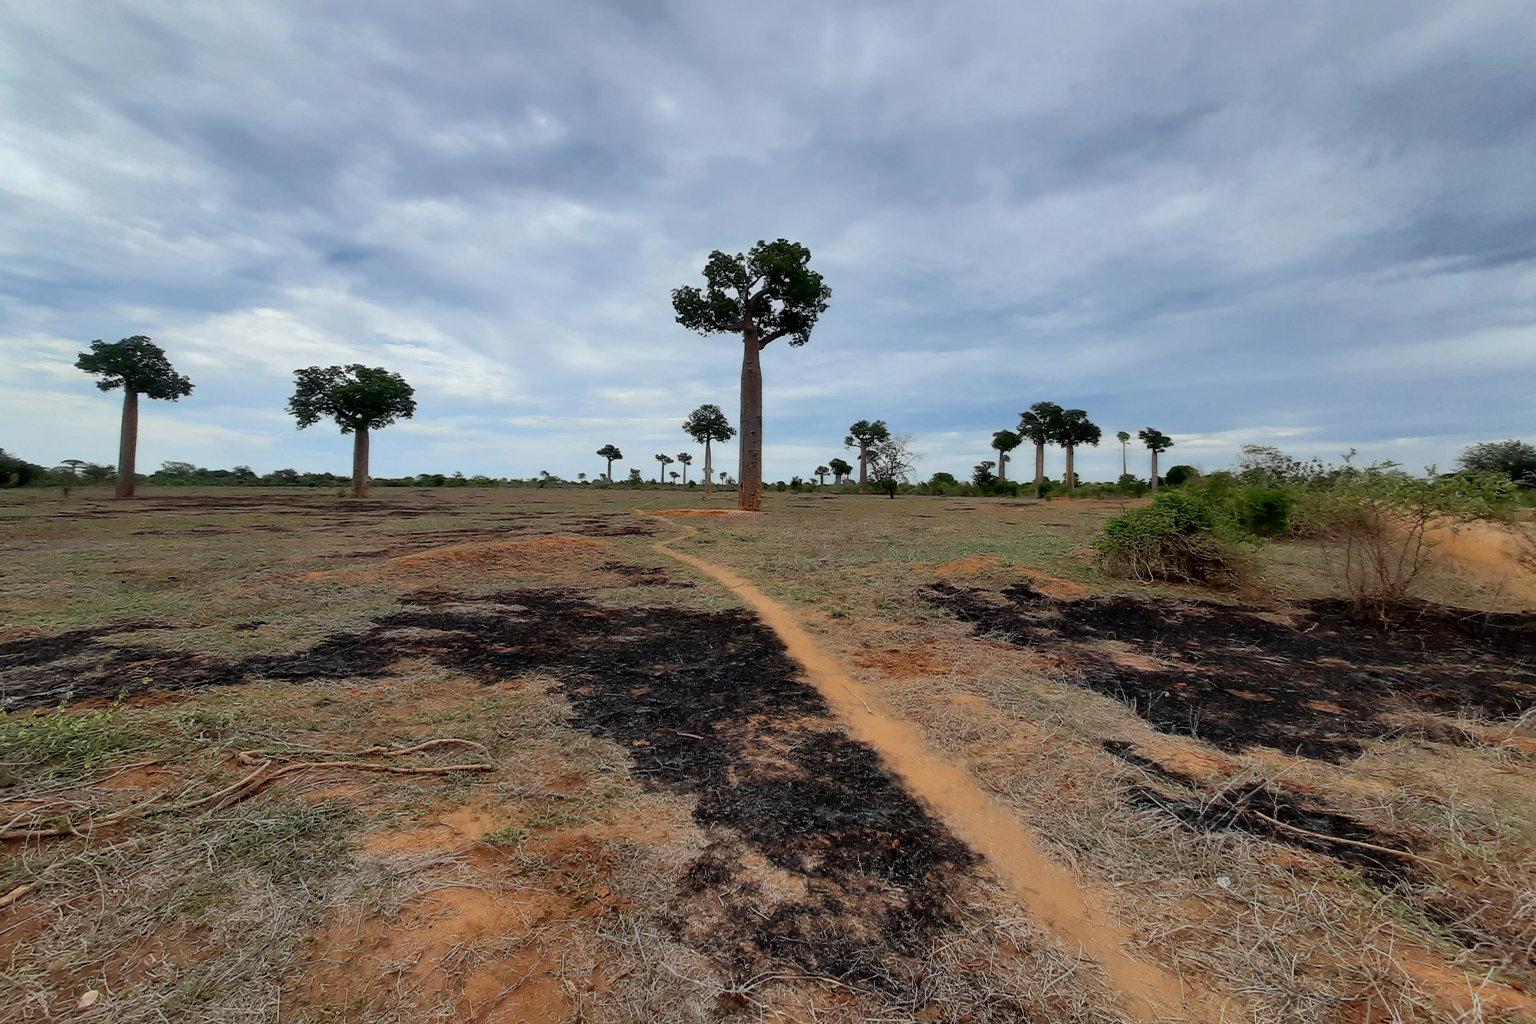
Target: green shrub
{"x": 1265, "y": 511}
{"x": 58, "y": 747}
{"x": 1178, "y": 476}
{"x": 1178, "y": 537}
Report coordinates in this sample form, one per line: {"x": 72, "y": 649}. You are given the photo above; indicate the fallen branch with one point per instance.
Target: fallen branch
{"x": 1338, "y": 839}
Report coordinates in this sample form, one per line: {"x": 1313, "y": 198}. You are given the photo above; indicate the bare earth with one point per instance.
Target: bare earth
{"x": 569, "y": 754}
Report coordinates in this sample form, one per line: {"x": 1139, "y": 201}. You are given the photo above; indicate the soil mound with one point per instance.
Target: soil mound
{"x": 1234, "y": 676}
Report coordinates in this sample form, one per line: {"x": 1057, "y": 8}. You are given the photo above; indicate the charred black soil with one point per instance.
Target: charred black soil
{"x": 818, "y": 863}
{"x": 1316, "y": 685}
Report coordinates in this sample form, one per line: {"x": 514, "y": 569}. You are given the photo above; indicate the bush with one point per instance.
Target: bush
{"x": 1265, "y": 511}
{"x": 1178, "y": 476}
{"x": 62, "y": 746}
{"x": 1177, "y": 537}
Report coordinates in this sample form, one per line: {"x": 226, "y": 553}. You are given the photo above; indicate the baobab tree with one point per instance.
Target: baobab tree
{"x": 1073, "y": 429}
{"x": 840, "y": 470}
{"x": 821, "y": 475}
{"x": 766, "y": 294}
{"x": 673, "y": 475}
{"x": 1038, "y": 425}
{"x": 1124, "y": 439}
{"x": 665, "y": 460}
{"x": 359, "y": 398}
{"x": 139, "y": 367}
{"x": 612, "y": 454}
{"x": 1004, "y": 441}
{"x": 864, "y": 435}
{"x": 686, "y": 460}
{"x": 1156, "y": 442}
{"x": 705, "y": 424}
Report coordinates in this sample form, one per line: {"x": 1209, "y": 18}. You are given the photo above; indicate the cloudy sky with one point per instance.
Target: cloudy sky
{"x": 1303, "y": 224}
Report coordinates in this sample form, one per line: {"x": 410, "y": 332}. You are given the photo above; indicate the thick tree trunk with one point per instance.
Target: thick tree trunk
{"x": 1002, "y": 464}
{"x": 1039, "y": 463}
{"x": 1071, "y": 478}
{"x": 610, "y": 471}
{"x": 709, "y": 475}
{"x": 863, "y": 463}
{"x": 1154, "y": 471}
{"x": 360, "y": 463}
{"x": 128, "y": 445}
{"x": 1123, "y": 470}
{"x": 749, "y": 487}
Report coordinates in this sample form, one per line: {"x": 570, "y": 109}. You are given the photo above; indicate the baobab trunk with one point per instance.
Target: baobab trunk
{"x": 1002, "y": 464}
{"x": 1071, "y": 478}
{"x": 750, "y": 476}
{"x": 128, "y": 444}
{"x": 863, "y": 461}
{"x": 360, "y": 463}
{"x": 708, "y": 474}
{"x": 1154, "y": 471}
{"x": 1039, "y": 463}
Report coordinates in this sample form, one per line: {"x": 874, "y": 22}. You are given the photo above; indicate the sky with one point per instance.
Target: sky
{"x": 1304, "y": 224}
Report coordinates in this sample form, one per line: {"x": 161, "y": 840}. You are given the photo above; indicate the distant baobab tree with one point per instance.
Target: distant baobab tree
{"x": 1156, "y": 442}
{"x": 840, "y": 470}
{"x": 685, "y": 460}
{"x": 821, "y": 475}
{"x": 582, "y": 477}
{"x": 1004, "y": 441}
{"x": 139, "y": 367}
{"x": 705, "y": 424}
{"x": 1038, "y": 424}
{"x": 612, "y": 454}
{"x": 359, "y": 398}
{"x": 864, "y": 435}
{"x": 768, "y": 293}
{"x": 1124, "y": 439}
{"x": 1073, "y": 429}
{"x": 665, "y": 460}
{"x": 673, "y": 475}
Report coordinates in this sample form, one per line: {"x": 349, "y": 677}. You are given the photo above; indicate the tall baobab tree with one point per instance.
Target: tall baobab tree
{"x": 685, "y": 460}
{"x": 612, "y": 454}
{"x": 1004, "y": 441}
{"x": 1038, "y": 425}
{"x": 139, "y": 367}
{"x": 1124, "y": 439}
{"x": 1156, "y": 442}
{"x": 1073, "y": 429}
{"x": 840, "y": 470}
{"x": 821, "y": 475}
{"x": 864, "y": 435}
{"x": 665, "y": 460}
{"x": 766, "y": 294}
{"x": 359, "y": 398}
{"x": 705, "y": 424}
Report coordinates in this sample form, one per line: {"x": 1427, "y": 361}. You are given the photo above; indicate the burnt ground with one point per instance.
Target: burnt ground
{"x": 1317, "y": 685}
{"x": 819, "y": 862}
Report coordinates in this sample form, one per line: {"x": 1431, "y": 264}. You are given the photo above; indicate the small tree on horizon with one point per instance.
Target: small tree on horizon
{"x": 840, "y": 470}
{"x": 821, "y": 475}
{"x": 1513, "y": 459}
{"x": 1004, "y": 441}
{"x": 1074, "y": 428}
{"x": 359, "y": 398}
{"x": 685, "y": 460}
{"x": 139, "y": 367}
{"x": 612, "y": 454}
{"x": 864, "y": 435}
{"x": 1124, "y": 439}
{"x": 1156, "y": 442}
{"x": 1038, "y": 424}
{"x": 769, "y": 292}
{"x": 891, "y": 462}
{"x": 705, "y": 424}
{"x": 665, "y": 460}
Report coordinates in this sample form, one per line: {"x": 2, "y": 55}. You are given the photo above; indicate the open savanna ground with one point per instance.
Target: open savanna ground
{"x": 567, "y": 754}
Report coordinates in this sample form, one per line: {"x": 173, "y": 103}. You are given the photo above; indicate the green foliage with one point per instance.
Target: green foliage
{"x": 137, "y": 364}
{"x": 1178, "y": 476}
{"x": 1155, "y": 440}
{"x": 1264, "y": 511}
{"x": 864, "y": 433}
{"x": 1178, "y": 537}
{"x": 60, "y": 747}
{"x": 1074, "y": 428}
{"x": 839, "y": 468}
{"x": 771, "y": 287}
{"x": 357, "y": 397}
{"x": 1006, "y": 441}
{"x": 16, "y": 472}
{"x": 1040, "y": 423}
{"x": 981, "y": 473}
{"x": 1513, "y": 460}
{"x": 942, "y": 479}
{"x": 706, "y": 423}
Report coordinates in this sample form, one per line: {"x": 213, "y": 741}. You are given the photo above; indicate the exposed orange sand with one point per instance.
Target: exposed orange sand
{"x": 1047, "y": 889}
{"x": 1499, "y": 556}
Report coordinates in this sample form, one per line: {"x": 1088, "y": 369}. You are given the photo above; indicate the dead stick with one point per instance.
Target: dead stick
{"x": 1337, "y": 839}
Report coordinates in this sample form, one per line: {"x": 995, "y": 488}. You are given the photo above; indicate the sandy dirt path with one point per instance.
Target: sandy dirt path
{"x": 1048, "y": 890}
